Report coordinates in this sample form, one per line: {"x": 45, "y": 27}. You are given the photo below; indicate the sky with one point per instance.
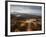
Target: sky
{"x": 34, "y": 10}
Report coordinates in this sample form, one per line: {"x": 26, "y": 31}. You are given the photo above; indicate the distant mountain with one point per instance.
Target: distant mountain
{"x": 22, "y": 15}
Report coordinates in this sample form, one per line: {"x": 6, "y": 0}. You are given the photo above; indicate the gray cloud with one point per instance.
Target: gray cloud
{"x": 35, "y": 10}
